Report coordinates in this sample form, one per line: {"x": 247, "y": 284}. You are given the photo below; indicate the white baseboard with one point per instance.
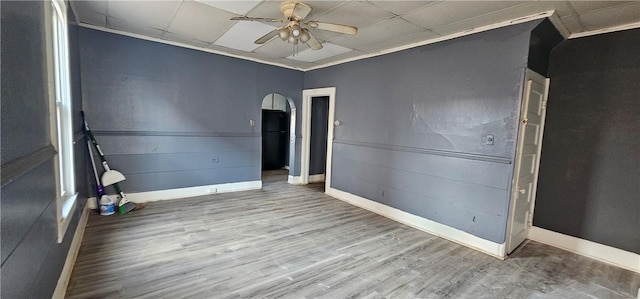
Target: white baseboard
{"x": 432, "y": 227}
{"x": 187, "y": 192}
{"x": 316, "y": 178}
{"x": 607, "y": 254}
{"x": 294, "y": 180}
{"x": 65, "y": 275}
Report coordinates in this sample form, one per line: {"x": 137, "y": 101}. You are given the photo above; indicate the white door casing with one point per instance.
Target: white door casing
{"x": 307, "y": 97}
{"x": 527, "y": 162}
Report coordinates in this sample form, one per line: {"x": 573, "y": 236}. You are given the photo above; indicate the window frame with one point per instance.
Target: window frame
{"x": 60, "y": 111}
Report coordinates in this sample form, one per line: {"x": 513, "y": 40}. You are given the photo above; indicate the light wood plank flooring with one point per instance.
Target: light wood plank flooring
{"x": 295, "y": 242}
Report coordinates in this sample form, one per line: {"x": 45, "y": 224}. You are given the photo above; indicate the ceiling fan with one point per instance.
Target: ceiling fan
{"x": 294, "y": 32}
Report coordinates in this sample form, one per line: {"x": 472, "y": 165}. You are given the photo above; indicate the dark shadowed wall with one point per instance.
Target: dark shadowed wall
{"x": 590, "y": 170}
{"x": 162, "y": 113}
{"x": 414, "y": 123}
{"x": 32, "y": 260}
{"x": 318, "y": 140}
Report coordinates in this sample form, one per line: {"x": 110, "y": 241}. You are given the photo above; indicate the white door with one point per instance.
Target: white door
{"x": 525, "y": 177}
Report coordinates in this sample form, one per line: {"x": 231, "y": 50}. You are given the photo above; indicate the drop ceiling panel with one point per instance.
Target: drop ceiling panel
{"x": 400, "y": 7}
{"x": 340, "y": 57}
{"x": 356, "y": 13}
{"x": 320, "y": 8}
{"x": 582, "y": 7}
{"x": 184, "y": 40}
{"x": 121, "y": 25}
{"x": 96, "y": 7}
{"x": 266, "y": 9}
{"x": 277, "y": 48}
{"x": 236, "y": 7}
{"x": 377, "y": 33}
{"x": 200, "y": 21}
{"x": 294, "y": 63}
{"x": 615, "y": 16}
{"x": 400, "y": 41}
{"x": 573, "y": 24}
{"x": 328, "y": 50}
{"x": 242, "y": 35}
{"x": 446, "y": 13}
{"x": 155, "y": 14}
{"x": 324, "y": 35}
{"x": 503, "y": 15}
{"x": 562, "y": 8}
{"x": 93, "y": 19}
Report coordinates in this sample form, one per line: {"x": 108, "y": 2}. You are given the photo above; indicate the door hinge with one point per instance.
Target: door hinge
{"x": 544, "y": 105}
{"x": 529, "y": 219}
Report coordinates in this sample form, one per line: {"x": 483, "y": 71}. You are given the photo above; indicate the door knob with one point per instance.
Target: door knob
{"x": 522, "y": 191}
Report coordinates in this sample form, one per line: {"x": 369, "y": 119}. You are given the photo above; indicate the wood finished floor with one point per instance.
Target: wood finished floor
{"x": 295, "y": 242}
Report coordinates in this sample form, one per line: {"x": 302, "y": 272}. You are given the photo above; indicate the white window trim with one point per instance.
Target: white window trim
{"x": 60, "y": 112}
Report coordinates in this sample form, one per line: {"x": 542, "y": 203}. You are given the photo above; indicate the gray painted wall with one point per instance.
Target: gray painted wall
{"x": 413, "y": 124}
{"x": 318, "y": 140}
{"x": 161, "y": 113}
{"x": 590, "y": 168}
{"x": 32, "y": 260}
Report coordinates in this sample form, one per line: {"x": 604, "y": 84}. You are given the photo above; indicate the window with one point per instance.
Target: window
{"x": 61, "y": 114}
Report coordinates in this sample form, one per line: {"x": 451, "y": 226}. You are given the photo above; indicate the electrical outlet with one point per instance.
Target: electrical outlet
{"x": 488, "y": 139}
{"x": 215, "y": 160}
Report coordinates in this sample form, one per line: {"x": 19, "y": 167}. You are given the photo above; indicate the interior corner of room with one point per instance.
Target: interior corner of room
{"x": 494, "y": 138}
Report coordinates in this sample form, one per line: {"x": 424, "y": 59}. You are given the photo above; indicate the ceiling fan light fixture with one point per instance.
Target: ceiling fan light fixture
{"x": 304, "y": 36}
{"x": 296, "y": 31}
{"x": 283, "y": 33}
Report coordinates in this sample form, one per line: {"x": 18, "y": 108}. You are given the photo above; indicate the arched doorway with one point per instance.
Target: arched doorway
{"x": 278, "y": 127}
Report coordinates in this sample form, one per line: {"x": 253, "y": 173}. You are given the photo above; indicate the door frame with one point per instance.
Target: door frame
{"x": 307, "y": 97}
{"x": 291, "y": 139}
{"x": 529, "y": 75}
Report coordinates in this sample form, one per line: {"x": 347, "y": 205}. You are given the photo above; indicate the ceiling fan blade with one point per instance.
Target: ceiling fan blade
{"x": 313, "y": 43}
{"x": 267, "y": 37}
{"x": 333, "y": 27}
{"x": 245, "y": 18}
{"x": 294, "y": 10}
{"x": 301, "y": 10}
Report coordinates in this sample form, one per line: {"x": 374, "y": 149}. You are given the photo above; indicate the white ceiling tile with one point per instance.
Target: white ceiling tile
{"x": 237, "y": 7}
{"x": 200, "y": 21}
{"x": 319, "y": 8}
{"x": 339, "y": 57}
{"x": 377, "y": 33}
{"x": 295, "y": 63}
{"x": 562, "y": 8}
{"x": 242, "y": 35}
{"x": 615, "y": 16}
{"x": 277, "y": 48}
{"x": 93, "y": 19}
{"x": 117, "y": 24}
{"x": 511, "y": 13}
{"x": 572, "y": 23}
{"x": 323, "y": 35}
{"x": 449, "y": 12}
{"x": 184, "y": 40}
{"x": 356, "y": 13}
{"x": 155, "y": 14}
{"x": 400, "y": 7}
{"x": 582, "y": 7}
{"x": 266, "y": 9}
{"x": 96, "y": 7}
{"x": 400, "y": 41}
{"x": 91, "y": 12}
{"x": 271, "y": 9}
{"x": 327, "y": 51}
